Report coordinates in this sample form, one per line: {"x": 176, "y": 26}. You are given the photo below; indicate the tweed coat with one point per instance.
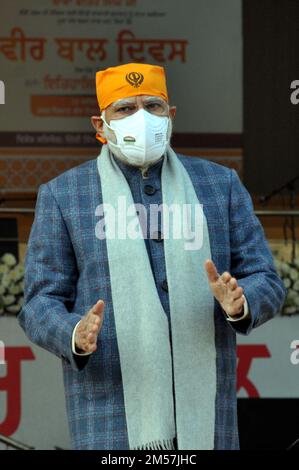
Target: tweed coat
{"x": 67, "y": 271}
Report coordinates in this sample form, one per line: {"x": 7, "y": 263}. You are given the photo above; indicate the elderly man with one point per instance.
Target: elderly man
{"x": 143, "y": 318}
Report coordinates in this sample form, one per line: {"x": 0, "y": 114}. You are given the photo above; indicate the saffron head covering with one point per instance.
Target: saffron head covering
{"x": 127, "y": 80}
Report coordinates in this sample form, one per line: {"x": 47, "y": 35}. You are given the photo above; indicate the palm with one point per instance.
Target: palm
{"x": 222, "y": 293}
{"x": 225, "y": 289}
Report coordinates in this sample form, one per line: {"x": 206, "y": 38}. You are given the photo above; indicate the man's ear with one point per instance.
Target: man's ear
{"x": 172, "y": 112}
{"x": 97, "y": 123}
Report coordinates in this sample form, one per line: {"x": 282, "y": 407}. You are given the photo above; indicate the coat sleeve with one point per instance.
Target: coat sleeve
{"x": 252, "y": 261}
{"x": 50, "y": 282}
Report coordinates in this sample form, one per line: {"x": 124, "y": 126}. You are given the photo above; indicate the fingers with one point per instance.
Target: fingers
{"x": 91, "y": 338}
{"x": 226, "y": 278}
{"x": 85, "y": 341}
{"x": 231, "y": 283}
{"x": 237, "y": 293}
{"x": 238, "y": 306}
{"x": 95, "y": 314}
{"x": 89, "y": 327}
{"x": 98, "y": 308}
{"x": 211, "y": 270}
{"x": 235, "y": 307}
{"x": 90, "y": 348}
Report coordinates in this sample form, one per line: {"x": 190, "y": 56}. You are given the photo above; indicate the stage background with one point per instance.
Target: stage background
{"x": 50, "y": 90}
{"x": 227, "y": 54}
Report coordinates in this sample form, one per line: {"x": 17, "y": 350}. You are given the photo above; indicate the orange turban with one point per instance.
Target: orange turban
{"x": 127, "y": 80}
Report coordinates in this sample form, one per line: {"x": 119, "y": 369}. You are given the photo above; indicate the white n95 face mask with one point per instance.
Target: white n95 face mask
{"x": 141, "y": 138}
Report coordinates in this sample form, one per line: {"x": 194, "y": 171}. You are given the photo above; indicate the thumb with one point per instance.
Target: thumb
{"x": 98, "y": 308}
{"x": 211, "y": 271}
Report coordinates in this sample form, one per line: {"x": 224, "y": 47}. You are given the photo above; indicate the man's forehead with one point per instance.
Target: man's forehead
{"x": 133, "y": 99}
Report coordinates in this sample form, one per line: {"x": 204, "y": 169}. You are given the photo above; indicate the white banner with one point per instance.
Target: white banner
{"x": 50, "y": 51}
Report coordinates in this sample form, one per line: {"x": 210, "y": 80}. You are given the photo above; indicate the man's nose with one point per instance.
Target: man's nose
{"x": 140, "y": 105}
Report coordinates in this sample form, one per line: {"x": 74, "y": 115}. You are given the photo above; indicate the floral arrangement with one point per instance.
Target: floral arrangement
{"x": 11, "y": 284}
{"x": 289, "y": 273}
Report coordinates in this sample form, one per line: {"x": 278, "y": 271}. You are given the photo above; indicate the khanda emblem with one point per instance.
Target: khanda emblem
{"x": 135, "y": 79}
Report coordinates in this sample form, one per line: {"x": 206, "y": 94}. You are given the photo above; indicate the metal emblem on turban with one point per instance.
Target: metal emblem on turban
{"x": 135, "y": 79}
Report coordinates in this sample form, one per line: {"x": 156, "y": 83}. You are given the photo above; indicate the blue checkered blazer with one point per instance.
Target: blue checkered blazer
{"x": 67, "y": 272}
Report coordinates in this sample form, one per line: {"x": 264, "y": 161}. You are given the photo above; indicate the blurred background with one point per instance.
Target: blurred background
{"x": 233, "y": 73}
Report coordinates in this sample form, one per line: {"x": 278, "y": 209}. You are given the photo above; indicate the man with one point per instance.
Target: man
{"x": 145, "y": 322}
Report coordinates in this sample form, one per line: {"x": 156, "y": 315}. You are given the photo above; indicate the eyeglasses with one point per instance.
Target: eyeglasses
{"x": 126, "y": 107}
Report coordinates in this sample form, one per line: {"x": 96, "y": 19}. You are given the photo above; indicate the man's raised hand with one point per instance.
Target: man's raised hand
{"x": 225, "y": 289}
{"x": 89, "y": 327}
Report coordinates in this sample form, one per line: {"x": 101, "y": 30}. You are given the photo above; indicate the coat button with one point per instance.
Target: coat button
{"x": 149, "y": 189}
{"x": 157, "y": 236}
{"x": 164, "y": 285}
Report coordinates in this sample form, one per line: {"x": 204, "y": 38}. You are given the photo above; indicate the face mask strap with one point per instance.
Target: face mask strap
{"x": 104, "y": 120}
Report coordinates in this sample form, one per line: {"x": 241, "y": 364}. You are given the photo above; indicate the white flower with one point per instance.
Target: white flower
{"x": 287, "y": 282}
{"x": 294, "y": 274}
{"x": 17, "y": 273}
{"x": 292, "y": 294}
{"x": 296, "y": 263}
{"x": 13, "y": 275}
{"x": 8, "y": 299}
{"x": 289, "y": 310}
{"x": 9, "y": 259}
{"x": 3, "y": 268}
{"x": 15, "y": 289}
{"x": 296, "y": 285}
{"x": 20, "y": 268}
{"x": 296, "y": 301}
{"x": 2, "y": 290}
{"x": 21, "y": 301}
{"x": 277, "y": 264}
{"x": 10, "y": 275}
{"x": 285, "y": 268}
{"x": 13, "y": 309}
{"x": 5, "y": 281}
